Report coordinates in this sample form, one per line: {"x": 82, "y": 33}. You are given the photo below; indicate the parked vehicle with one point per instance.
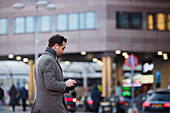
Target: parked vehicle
{"x": 123, "y": 104}
{"x": 115, "y": 104}
{"x": 110, "y": 105}
{"x": 71, "y": 102}
{"x": 140, "y": 99}
{"x": 158, "y": 102}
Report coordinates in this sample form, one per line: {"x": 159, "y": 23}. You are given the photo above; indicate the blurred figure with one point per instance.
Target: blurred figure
{"x": 96, "y": 96}
{"x": 24, "y": 96}
{"x": 73, "y": 94}
{"x": 13, "y": 97}
{"x": 1, "y": 97}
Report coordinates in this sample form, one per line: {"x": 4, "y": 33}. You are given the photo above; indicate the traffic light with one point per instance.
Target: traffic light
{"x": 126, "y": 93}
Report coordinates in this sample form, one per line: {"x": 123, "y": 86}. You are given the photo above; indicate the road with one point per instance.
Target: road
{"x": 8, "y": 109}
{"x": 18, "y": 109}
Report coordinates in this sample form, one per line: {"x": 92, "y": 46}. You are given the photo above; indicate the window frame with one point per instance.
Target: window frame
{"x": 129, "y": 16}
{"x": 155, "y": 21}
{"x": 34, "y": 23}
{"x": 7, "y": 26}
{"x": 95, "y": 20}
{"x": 56, "y": 22}
{"x": 81, "y": 21}
{"x": 14, "y": 25}
{"x": 68, "y": 22}
{"x": 40, "y": 26}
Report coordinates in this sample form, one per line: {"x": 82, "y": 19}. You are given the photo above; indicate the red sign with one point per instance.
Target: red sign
{"x": 132, "y": 61}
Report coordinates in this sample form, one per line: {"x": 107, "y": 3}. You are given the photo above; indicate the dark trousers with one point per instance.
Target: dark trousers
{"x": 13, "y": 107}
{"x": 24, "y": 104}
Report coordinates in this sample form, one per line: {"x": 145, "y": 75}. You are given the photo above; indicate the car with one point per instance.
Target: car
{"x": 71, "y": 102}
{"x": 123, "y": 104}
{"x": 139, "y": 99}
{"x": 158, "y": 102}
{"x": 109, "y": 105}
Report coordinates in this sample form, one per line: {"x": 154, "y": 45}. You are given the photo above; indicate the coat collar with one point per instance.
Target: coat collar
{"x": 51, "y": 52}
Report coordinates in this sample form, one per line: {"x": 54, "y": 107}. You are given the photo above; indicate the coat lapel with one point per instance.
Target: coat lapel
{"x": 59, "y": 65}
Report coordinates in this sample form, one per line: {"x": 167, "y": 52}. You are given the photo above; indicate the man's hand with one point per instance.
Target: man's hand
{"x": 70, "y": 83}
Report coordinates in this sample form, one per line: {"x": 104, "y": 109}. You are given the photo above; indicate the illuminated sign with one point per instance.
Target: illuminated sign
{"x": 139, "y": 80}
{"x": 148, "y": 67}
{"x": 147, "y": 79}
{"x": 130, "y": 84}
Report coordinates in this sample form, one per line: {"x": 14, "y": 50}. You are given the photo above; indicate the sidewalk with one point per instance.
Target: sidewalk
{"x": 18, "y": 109}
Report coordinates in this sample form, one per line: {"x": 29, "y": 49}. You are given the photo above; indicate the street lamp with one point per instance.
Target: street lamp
{"x": 18, "y": 6}
{"x": 42, "y": 3}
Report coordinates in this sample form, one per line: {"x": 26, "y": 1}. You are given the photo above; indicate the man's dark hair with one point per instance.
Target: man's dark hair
{"x": 56, "y": 39}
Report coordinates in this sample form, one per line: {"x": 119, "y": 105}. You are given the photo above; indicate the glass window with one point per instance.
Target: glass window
{"x": 82, "y": 20}
{"x": 3, "y": 26}
{"x": 30, "y": 23}
{"x": 45, "y": 23}
{"x": 150, "y": 22}
{"x": 160, "y": 97}
{"x": 73, "y": 21}
{"x": 136, "y": 19}
{"x": 168, "y": 22}
{"x": 129, "y": 20}
{"x": 76, "y": 21}
{"x": 90, "y": 20}
{"x": 122, "y": 20}
{"x": 61, "y": 22}
{"x": 160, "y": 21}
{"x": 19, "y": 25}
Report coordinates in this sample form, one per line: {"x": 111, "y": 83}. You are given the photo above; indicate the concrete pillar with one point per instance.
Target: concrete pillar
{"x": 107, "y": 76}
{"x": 31, "y": 82}
{"x": 104, "y": 77}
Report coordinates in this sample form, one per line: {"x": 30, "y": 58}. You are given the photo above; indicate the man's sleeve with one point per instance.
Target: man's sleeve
{"x": 51, "y": 83}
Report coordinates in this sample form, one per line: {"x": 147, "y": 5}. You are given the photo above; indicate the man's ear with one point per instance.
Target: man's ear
{"x": 56, "y": 46}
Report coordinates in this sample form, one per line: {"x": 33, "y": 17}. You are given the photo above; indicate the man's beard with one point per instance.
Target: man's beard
{"x": 59, "y": 55}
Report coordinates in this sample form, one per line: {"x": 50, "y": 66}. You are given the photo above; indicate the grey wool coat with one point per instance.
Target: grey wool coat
{"x": 49, "y": 84}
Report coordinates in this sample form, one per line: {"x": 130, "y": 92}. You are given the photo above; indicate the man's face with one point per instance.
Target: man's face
{"x": 60, "y": 49}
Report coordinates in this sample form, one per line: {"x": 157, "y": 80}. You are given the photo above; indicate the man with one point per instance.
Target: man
{"x": 96, "y": 97}
{"x": 49, "y": 79}
{"x": 1, "y": 98}
{"x": 23, "y": 96}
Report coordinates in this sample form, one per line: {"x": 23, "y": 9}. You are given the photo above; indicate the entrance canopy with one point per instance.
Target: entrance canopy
{"x": 13, "y": 68}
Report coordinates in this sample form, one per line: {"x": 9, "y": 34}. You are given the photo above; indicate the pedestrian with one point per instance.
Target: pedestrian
{"x": 24, "y": 97}
{"x": 96, "y": 97}
{"x": 73, "y": 94}
{"x": 50, "y": 85}
{"x": 13, "y": 97}
{"x": 1, "y": 97}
